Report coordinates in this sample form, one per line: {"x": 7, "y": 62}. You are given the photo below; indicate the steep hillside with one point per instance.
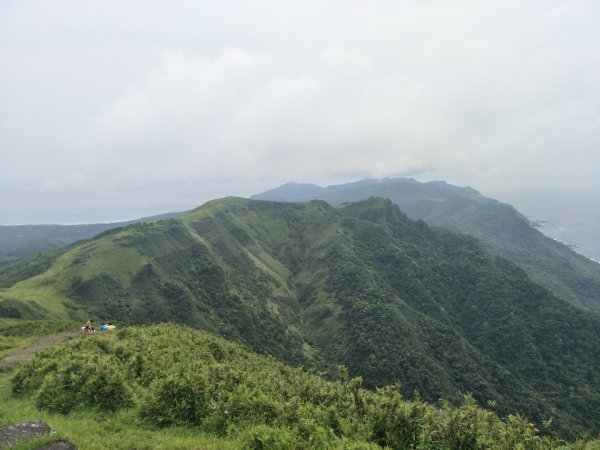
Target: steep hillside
{"x": 502, "y": 229}
{"x": 392, "y": 299}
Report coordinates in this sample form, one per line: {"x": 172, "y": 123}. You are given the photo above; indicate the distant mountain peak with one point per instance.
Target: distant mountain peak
{"x": 295, "y": 191}
{"x": 297, "y": 184}
{"x": 289, "y": 191}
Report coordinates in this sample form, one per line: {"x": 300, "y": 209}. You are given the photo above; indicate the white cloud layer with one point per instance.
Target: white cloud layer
{"x": 104, "y": 100}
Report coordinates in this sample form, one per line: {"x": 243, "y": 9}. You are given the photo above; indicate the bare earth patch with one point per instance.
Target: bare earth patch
{"x": 17, "y": 355}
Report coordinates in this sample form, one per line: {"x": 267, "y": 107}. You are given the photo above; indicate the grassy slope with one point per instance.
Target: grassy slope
{"x": 51, "y": 287}
{"x": 390, "y": 298}
{"x": 18, "y": 241}
{"x": 171, "y": 387}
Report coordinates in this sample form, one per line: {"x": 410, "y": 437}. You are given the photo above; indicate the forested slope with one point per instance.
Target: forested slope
{"x": 502, "y": 229}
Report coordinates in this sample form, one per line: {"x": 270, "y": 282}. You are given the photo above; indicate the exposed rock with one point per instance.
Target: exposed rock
{"x": 12, "y": 434}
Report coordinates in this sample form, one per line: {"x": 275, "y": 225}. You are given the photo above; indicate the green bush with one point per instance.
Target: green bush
{"x": 59, "y": 393}
{"x": 84, "y": 384}
{"x": 175, "y": 376}
{"x": 179, "y": 399}
{"x": 265, "y": 437}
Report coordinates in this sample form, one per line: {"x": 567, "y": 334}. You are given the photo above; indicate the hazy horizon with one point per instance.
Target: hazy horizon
{"x": 561, "y": 215}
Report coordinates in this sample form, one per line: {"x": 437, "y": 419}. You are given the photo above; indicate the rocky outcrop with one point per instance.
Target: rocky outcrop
{"x": 12, "y": 434}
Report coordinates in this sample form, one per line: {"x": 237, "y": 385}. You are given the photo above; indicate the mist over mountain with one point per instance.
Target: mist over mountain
{"x": 502, "y": 229}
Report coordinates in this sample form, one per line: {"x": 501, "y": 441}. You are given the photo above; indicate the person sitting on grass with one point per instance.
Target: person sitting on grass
{"x": 89, "y": 327}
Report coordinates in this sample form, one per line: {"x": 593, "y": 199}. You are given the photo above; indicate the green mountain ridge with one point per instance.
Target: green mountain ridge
{"x": 362, "y": 285}
{"x": 17, "y": 241}
{"x": 500, "y": 227}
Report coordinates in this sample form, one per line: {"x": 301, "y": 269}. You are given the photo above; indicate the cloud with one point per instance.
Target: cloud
{"x": 115, "y": 97}
{"x": 248, "y": 114}
{"x": 73, "y": 181}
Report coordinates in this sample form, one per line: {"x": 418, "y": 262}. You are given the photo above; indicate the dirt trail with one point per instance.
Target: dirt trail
{"x": 16, "y": 355}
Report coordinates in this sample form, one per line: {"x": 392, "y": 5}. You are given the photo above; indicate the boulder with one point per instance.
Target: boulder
{"x": 11, "y": 434}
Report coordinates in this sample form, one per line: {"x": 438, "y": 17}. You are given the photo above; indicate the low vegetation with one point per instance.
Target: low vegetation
{"x": 191, "y": 383}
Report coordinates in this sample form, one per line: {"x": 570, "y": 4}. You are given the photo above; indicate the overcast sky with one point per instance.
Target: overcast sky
{"x": 117, "y": 109}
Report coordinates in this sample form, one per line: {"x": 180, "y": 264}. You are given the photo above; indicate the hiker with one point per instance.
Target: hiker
{"x": 104, "y": 326}
{"x": 110, "y": 327}
{"x": 89, "y": 327}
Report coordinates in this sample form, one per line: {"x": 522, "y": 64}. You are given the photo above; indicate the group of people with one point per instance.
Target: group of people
{"x": 90, "y": 328}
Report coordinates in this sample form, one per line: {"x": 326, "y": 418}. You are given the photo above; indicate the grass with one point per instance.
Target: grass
{"x": 120, "y": 262}
{"x": 100, "y": 430}
{"x": 50, "y": 289}
{"x": 34, "y": 289}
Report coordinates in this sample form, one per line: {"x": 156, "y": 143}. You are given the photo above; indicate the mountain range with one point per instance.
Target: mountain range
{"x": 362, "y": 285}
{"x": 500, "y": 227}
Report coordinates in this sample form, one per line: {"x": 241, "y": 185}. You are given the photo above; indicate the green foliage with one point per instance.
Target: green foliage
{"x": 414, "y": 425}
{"x": 12, "y": 251}
{"x": 75, "y": 381}
{"x": 502, "y": 229}
{"x": 173, "y": 376}
{"x": 13, "y": 272}
{"x": 17, "y": 309}
{"x": 34, "y": 328}
{"x": 363, "y": 286}
{"x": 92, "y": 429}
{"x": 178, "y": 399}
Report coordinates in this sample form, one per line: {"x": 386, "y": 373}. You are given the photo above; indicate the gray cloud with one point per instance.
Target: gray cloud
{"x": 105, "y": 101}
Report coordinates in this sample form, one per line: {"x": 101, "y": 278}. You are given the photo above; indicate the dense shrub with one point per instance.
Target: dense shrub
{"x": 174, "y": 376}
{"x": 84, "y": 384}
{"x": 178, "y": 399}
